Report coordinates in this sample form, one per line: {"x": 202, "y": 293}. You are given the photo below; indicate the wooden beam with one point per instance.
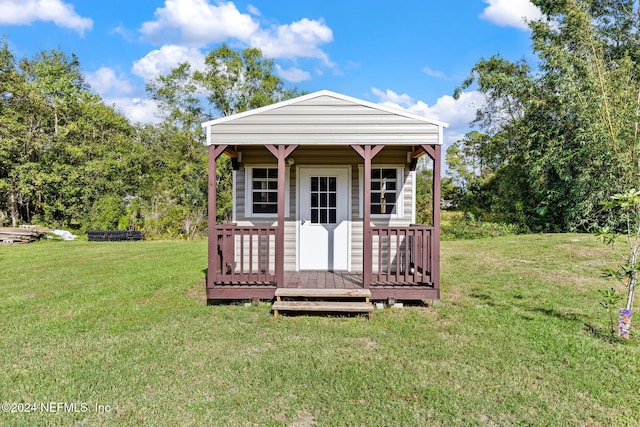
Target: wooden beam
{"x": 217, "y": 150}
{"x": 359, "y": 149}
{"x": 273, "y": 149}
{"x": 367, "y": 152}
{"x": 212, "y": 261}
{"x": 289, "y": 149}
{"x": 430, "y": 150}
{"x": 419, "y": 152}
{"x": 280, "y": 152}
{"x": 231, "y": 152}
{"x": 437, "y": 172}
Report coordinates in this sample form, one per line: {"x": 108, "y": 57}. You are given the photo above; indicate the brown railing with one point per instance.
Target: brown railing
{"x": 245, "y": 255}
{"x": 402, "y": 255}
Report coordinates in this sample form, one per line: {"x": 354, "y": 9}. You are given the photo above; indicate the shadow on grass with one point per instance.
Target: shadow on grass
{"x": 601, "y": 332}
{"x": 567, "y": 317}
{"x": 596, "y": 330}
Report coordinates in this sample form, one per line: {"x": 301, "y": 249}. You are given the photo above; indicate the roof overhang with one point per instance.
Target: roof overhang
{"x": 325, "y": 118}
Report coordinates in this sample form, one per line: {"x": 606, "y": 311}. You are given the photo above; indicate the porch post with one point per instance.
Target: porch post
{"x": 435, "y": 152}
{"x": 212, "y": 262}
{"x": 281, "y": 152}
{"x": 367, "y": 152}
{"x": 437, "y": 165}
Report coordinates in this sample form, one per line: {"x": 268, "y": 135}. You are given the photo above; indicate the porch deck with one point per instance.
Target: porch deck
{"x": 324, "y": 280}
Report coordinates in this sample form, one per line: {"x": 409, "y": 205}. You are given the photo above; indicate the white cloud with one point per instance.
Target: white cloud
{"x": 137, "y": 110}
{"x": 162, "y": 61}
{"x": 198, "y": 23}
{"x": 105, "y": 81}
{"x": 299, "y": 39}
{"x": 390, "y": 97}
{"x": 458, "y": 113}
{"x": 23, "y": 12}
{"x": 293, "y": 74}
{"x": 126, "y": 34}
{"x": 434, "y": 73}
{"x": 511, "y": 13}
{"x": 254, "y": 10}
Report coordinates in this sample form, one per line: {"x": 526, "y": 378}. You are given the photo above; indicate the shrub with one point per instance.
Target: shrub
{"x": 470, "y": 227}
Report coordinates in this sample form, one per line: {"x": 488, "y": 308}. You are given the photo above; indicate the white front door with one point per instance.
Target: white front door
{"x": 323, "y": 218}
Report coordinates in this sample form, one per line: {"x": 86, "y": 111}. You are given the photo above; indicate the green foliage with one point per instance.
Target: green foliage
{"x": 232, "y": 82}
{"x": 566, "y": 135}
{"x": 609, "y": 302}
{"x": 424, "y": 195}
{"x": 468, "y": 226}
{"x": 240, "y": 81}
{"x": 106, "y": 213}
{"x": 67, "y": 160}
{"x": 627, "y": 206}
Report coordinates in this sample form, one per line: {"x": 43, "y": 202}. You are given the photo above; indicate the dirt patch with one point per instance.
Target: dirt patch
{"x": 304, "y": 420}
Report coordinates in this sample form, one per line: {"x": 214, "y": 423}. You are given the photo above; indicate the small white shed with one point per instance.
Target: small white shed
{"x": 324, "y": 196}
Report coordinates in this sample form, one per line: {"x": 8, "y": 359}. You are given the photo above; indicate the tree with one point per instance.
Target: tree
{"x": 59, "y": 79}
{"x": 627, "y": 206}
{"x": 231, "y": 82}
{"x": 465, "y": 159}
{"x": 239, "y": 81}
{"x": 424, "y": 194}
{"x": 566, "y": 134}
{"x": 61, "y": 149}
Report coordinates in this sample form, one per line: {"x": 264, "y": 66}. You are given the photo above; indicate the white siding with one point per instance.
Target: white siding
{"x": 324, "y": 119}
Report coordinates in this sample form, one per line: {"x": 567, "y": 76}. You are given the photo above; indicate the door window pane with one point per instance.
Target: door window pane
{"x": 324, "y": 199}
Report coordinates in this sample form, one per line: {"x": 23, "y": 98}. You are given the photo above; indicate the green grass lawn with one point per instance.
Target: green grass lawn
{"x": 518, "y": 338}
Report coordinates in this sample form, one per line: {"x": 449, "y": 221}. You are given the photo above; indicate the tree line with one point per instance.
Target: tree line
{"x": 550, "y": 145}
{"x": 554, "y": 142}
{"x": 67, "y": 160}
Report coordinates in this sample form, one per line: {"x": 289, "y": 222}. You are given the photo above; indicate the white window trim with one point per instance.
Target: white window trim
{"x": 400, "y": 187}
{"x": 412, "y": 176}
{"x": 234, "y": 204}
{"x": 248, "y": 194}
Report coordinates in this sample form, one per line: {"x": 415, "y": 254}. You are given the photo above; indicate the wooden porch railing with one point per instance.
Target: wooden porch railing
{"x": 402, "y": 255}
{"x": 245, "y": 255}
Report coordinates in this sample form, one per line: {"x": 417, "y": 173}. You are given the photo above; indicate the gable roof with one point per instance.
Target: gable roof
{"x": 324, "y": 118}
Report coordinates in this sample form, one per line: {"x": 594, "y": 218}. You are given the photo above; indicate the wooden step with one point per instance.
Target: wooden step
{"x": 323, "y": 293}
{"x": 323, "y": 306}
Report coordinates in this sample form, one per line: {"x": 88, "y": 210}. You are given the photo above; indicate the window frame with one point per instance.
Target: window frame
{"x": 248, "y": 192}
{"x": 398, "y": 212}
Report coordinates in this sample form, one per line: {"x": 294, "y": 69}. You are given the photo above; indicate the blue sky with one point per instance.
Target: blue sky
{"x": 410, "y": 54}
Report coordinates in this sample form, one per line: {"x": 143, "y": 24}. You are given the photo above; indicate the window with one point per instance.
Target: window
{"x": 261, "y": 191}
{"x": 384, "y": 190}
{"x": 387, "y": 187}
{"x": 264, "y": 190}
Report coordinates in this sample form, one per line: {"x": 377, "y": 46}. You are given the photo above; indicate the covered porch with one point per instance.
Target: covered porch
{"x": 346, "y": 145}
{"x": 398, "y": 262}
